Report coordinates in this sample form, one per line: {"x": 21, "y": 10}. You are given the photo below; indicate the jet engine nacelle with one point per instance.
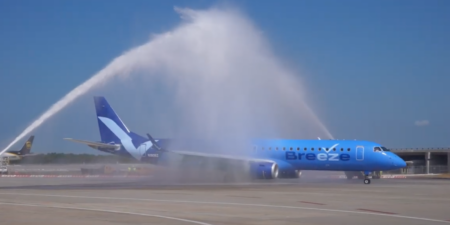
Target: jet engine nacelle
{"x": 264, "y": 170}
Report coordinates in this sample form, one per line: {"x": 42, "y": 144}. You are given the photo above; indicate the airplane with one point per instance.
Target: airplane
{"x": 19, "y": 154}
{"x": 261, "y": 158}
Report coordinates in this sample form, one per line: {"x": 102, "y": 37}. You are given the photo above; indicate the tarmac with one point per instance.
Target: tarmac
{"x": 148, "y": 200}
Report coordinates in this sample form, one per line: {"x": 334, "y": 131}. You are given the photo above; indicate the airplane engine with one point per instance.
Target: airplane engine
{"x": 264, "y": 170}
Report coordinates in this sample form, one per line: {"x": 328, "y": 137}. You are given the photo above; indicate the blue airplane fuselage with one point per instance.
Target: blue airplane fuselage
{"x": 336, "y": 155}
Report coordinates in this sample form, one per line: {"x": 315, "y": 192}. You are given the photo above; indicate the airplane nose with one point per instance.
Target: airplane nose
{"x": 398, "y": 162}
{"x": 401, "y": 163}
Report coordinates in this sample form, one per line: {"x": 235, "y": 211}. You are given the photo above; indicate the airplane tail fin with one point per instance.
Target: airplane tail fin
{"x": 111, "y": 127}
{"x": 27, "y": 146}
{"x": 113, "y": 131}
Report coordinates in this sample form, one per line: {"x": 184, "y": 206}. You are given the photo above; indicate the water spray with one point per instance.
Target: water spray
{"x": 222, "y": 73}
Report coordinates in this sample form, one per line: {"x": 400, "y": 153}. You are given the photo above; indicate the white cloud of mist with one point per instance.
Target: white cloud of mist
{"x": 219, "y": 77}
{"x": 421, "y": 123}
{"x": 224, "y": 78}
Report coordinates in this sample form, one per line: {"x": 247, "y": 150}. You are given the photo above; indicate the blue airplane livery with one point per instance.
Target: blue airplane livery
{"x": 262, "y": 158}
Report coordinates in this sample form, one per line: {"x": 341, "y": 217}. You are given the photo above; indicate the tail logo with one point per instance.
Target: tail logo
{"x": 28, "y": 144}
{"x": 125, "y": 139}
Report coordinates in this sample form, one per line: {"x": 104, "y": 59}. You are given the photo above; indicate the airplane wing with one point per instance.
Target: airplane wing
{"x": 96, "y": 145}
{"x": 219, "y": 156}
{"x": 31, "y": 154}
{"x": 208, "y": 155}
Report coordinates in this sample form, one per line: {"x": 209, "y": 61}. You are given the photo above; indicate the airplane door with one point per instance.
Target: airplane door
{"x": 359, "y": 153}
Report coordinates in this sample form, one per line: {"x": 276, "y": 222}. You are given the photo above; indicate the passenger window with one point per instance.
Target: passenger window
{"x": 320, "y": 149}
{"x": 298, "y": 149}
{"x": 312, "y": 149}
{"x": 276, "y": 148}
{"x": 377, "y": 149}
{"x": 342, "y": 149}
{"x": 270, "y": 148}
{"x": 304, "y": 149}
{"x": 291, "y": 149}
{"x": 334, "y": 149}
{"x": 284, "y": 148}
{"x": 327, "y": 149}
{"x": 348, "y": 149}
{"x": 262, "y": 148}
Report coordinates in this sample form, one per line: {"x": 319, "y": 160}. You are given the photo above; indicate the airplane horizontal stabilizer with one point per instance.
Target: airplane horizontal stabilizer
{"x": 96, "y": 145}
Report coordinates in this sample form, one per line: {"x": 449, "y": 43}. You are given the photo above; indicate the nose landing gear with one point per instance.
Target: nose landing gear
{"x": 367, "y": 177}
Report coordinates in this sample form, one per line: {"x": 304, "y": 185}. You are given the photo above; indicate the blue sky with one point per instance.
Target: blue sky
{"x": 378, "y": 70}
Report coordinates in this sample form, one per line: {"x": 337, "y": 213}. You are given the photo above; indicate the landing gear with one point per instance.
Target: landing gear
{"x": 367, "y": 177}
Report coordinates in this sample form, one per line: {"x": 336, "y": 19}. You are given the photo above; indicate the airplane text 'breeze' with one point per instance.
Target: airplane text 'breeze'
{"x": 320, "y": 156}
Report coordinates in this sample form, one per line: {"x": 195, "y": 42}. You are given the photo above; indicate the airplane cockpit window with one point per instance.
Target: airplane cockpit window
{"x": 385, "y": 149}
{"x": 377, "y": 149}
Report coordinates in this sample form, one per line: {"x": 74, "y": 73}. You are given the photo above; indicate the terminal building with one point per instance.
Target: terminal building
{"x": 424, "y": 160}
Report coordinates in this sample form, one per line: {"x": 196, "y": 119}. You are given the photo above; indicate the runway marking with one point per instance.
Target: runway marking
{"x": 231, "y": 204}
{"x": 165, "y": 193}
{"x": 242, "y": 196}
{"x": 314, "y": 203}
{"x": 376, "y": 211}
{"x": 107, "y": 211}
